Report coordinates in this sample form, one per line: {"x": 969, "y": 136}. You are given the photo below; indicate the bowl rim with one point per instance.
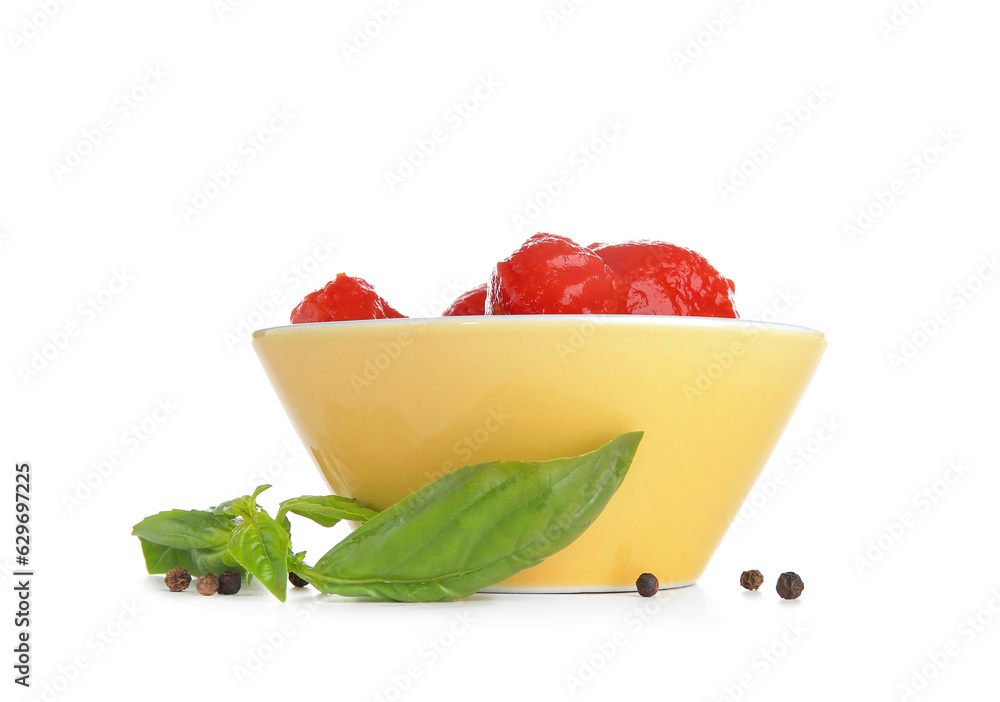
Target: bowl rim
{"x": 569, "y": 319}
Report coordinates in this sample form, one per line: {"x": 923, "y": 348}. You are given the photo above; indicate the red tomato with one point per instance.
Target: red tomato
{"x": 551, "y": 274}
{"x": 343, "y": 299}
{"x": 468, "y": 304}
{"x": 659, "y": 278}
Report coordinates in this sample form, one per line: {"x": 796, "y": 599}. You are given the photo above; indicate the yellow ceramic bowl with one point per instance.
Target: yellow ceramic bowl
{"x": 386, "y": 406}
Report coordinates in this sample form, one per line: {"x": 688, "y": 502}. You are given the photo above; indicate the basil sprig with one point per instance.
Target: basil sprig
{"x": 467, "y": 530}
{"x": 237, "y": 535}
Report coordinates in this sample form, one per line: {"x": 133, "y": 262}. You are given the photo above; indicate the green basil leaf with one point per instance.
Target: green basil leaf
{"x": 261, "y": 545}
{"x": 186, "y": 529}
{"x": 326, "y": 510}
{"x": 160, "y": 559}
{"x": 474, "y": 527}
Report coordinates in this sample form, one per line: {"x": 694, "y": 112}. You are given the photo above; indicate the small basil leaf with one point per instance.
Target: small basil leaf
{"x": 228, "y": 507}
{"x": 261, "y": 545}
{"x": 185, "y": 529}
{"x": 474, "y": 527}
{"x": 326, "y": 510}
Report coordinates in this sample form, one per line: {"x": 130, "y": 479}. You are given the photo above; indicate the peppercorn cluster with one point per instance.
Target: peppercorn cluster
{"x": 788, "y": 587}
{"x": 227, "y": 583}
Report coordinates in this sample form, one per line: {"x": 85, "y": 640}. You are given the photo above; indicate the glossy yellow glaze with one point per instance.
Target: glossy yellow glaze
{"x": 387, "y": 406}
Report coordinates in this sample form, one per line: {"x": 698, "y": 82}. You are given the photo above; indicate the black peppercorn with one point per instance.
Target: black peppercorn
{"x": 207, "y": 584}
{"x": 229, "y": 582}
{"x": 177, "y": 579}
{"x": 751, "y": 579}
{"x": 790, "y": 586}
{"x": 296, "y": 580}
{"x": 647, "y": 585}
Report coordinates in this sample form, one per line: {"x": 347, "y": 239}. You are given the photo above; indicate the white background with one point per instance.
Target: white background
{"x": 891, "y": 575}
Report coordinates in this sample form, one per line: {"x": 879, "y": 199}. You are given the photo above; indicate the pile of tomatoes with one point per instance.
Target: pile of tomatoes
{"x": 551, "y": 274}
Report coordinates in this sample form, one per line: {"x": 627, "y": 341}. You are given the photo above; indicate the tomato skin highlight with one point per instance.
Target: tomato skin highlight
{"x": 659, "y": 278}
{"x": 468, "y": 304}
{"x": 551, "y": 274}
{"x": 343, "y": 299}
